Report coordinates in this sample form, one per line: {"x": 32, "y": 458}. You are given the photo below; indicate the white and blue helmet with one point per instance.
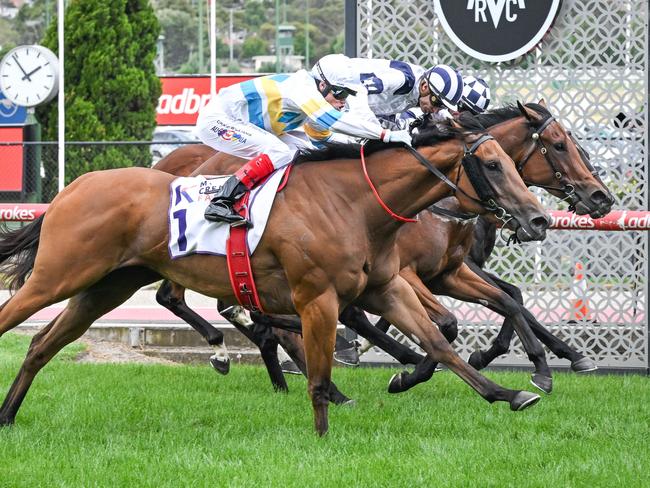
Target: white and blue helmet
{"x": 476, "y": 95}
{"x": 445, "y": 83}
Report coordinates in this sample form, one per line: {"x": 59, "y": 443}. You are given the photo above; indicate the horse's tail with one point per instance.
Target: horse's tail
{"x": 18, "y": 252}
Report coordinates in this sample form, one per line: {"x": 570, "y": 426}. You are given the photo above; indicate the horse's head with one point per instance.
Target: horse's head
{"x": 488, "y": 183}
{"x": 554, "y": 160}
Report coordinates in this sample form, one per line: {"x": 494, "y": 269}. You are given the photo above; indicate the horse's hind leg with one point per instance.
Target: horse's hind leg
{"x": 26, "y": 302}
{"x": 82, "y": 310}
{"x": 172, "y": 297}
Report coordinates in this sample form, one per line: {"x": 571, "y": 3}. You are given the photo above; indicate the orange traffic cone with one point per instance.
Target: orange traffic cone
{"x": 580, "y": 309}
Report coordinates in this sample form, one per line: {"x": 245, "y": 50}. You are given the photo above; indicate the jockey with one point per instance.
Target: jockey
{"x": 253, "y": 119}
{"x": 476, "y": 96}
{"x": 475, "y": 99}
{"x": 393, "y": 87}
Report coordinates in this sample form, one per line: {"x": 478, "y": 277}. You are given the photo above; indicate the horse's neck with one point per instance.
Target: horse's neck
{"x": 511, "y": 136}
{"x": 404, "y": 184}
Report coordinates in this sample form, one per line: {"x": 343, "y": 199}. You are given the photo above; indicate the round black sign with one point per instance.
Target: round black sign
{"x": 496, "y": 30}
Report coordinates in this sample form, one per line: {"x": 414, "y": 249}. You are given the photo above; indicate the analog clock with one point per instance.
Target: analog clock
{"x": 29, "y": 75}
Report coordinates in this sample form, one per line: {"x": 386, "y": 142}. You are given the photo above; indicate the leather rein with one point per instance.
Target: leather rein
{"x": 480, "y": 183}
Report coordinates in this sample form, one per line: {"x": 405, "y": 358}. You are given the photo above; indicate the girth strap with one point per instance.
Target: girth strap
{"x": 239, "y": 261}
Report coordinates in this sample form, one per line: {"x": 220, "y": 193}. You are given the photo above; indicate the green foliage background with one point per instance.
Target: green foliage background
{"x": 111, "y": 85}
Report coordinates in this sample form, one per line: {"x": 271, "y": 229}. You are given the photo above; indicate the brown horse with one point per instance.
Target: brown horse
{"x": 327, "y": 244}
{"x": 433, "y": 250}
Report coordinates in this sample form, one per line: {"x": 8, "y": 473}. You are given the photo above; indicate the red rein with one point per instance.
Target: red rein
{"x": 374, "y": 190}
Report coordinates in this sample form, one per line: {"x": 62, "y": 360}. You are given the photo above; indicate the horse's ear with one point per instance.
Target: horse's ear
{"x": 526, "y": 112}
{"x": 542, "y": 102}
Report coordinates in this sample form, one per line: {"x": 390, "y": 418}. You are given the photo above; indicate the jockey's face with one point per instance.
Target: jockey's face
{"x": 337, "y": 104}
{"x": 425, "y": 102}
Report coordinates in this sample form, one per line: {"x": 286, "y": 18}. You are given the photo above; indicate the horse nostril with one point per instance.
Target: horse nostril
{"x": 540, "y": 223}
{"x": 599, "y": 197}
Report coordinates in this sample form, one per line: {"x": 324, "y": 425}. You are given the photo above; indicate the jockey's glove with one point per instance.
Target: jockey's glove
{"x": 398, "y": 136}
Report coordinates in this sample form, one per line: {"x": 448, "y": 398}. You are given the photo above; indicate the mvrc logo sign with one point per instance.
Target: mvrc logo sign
{"x": 496, "y": 30}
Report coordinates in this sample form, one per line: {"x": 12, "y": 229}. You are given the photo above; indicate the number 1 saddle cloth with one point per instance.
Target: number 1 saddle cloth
{"x": 190, "y": 233}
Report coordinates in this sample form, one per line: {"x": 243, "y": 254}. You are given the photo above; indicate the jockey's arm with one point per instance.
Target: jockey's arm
{"x": 326, "y": 118}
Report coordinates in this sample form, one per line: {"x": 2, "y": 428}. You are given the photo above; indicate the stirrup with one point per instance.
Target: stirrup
{"x": 221, "y": 211}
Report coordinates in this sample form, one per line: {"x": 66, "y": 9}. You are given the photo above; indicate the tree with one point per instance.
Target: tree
{"x": 179, "y": 29}
{"x": 111, "y": 87}
{"x": 254, "y": 46}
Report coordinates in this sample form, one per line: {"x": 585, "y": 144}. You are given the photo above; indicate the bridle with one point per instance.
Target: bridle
{"x": 475, "y": 174}
{"x": 567, "y": 188}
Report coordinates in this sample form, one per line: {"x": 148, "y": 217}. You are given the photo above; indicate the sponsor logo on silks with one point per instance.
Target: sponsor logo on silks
{"x": 229, "y": 134}
{"x": 496, "y": 30}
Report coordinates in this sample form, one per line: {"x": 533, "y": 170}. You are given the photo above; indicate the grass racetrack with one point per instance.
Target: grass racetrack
{"x": 155, "y": 425}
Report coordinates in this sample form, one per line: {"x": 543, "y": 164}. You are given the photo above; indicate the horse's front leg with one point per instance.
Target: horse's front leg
{"x": 561, "y": 349}
{"x": 293, "y": 344}
{"x": 465, "y": 284}
{"x": 397, "y": 302}
{"x": 442, "y": 317}
{"x": 318, "y": 313}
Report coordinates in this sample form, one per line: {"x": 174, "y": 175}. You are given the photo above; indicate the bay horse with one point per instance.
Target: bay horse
{"x": 328, "y": 243}
{"x": 433, "y": 251}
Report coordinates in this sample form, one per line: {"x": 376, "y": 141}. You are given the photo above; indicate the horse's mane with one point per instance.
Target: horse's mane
{"x": 428, "y": 135}
{"x": 507, "y": 112}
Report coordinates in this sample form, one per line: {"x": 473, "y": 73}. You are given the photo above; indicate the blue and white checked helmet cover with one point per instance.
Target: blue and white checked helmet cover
{"x": 446, "y": 83}
{"x": 476, "y": 94}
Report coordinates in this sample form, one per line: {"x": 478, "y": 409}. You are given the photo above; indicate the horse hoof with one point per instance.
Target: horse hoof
{"x": 222, "y": 367}
{"x": 395, "y": 383}
{"x": 544, "y": 383}
{"x": 476, "y": 360}
{"x": 4, "y": 422}
{"x": 583, "y": 365}
{"x": 349, "y": 403}
{"x": 523, "y": 400}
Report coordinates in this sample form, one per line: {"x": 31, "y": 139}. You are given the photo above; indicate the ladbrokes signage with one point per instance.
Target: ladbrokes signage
{"x": 183, "y": 96}
{"x": 496, "y": 30}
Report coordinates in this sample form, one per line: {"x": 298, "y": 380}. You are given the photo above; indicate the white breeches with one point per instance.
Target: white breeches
{"x": 240, "y": 138}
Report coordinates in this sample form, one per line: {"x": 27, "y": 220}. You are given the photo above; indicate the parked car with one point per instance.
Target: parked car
{"x": 165, "y": 141}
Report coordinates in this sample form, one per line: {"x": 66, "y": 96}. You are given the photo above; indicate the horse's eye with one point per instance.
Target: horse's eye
{"x": 492, "y": 165}
{"x": 559, "y": 146}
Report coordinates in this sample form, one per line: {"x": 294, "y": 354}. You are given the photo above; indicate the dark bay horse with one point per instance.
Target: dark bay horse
{"x": 328, "y": 243}
{"x": 435, "y": 252}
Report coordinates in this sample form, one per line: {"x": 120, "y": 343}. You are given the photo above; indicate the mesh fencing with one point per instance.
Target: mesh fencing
{"x": 592, "y": 70}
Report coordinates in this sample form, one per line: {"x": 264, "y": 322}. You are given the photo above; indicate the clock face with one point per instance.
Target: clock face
{"x": 29, "y": 75}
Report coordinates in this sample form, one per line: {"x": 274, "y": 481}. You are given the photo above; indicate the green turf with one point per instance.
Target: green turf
{"x": 153, "y": 425}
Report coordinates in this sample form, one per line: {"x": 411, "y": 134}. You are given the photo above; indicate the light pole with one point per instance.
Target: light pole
{"x": 161, "y": 54}
{"x": 277, "y": 36}
{"x": 306, "y": 34}
{"x": 200, "y": 40}
{"x": 230, "y": 38}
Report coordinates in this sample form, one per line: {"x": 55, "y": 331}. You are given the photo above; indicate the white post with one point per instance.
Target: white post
{"x": 61, "y": 94}
{"x": 213, "y": 50}
{"x": 231, "y": 57}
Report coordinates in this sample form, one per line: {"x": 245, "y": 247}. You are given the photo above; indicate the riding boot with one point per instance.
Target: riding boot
{"x": 220, "y": 208}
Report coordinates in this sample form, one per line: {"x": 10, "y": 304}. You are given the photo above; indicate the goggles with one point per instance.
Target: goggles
{"x": 338, "y": 92}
